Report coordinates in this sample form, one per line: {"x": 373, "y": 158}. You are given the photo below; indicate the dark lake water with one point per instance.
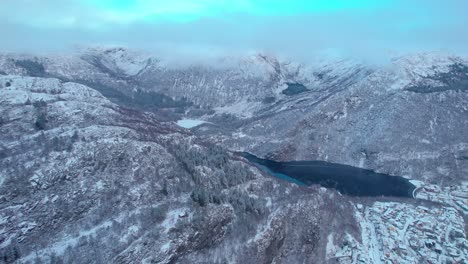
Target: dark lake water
{"x": 348, "y": 180}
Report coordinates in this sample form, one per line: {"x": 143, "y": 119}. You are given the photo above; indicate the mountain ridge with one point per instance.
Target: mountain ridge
{"x": 94, "y": 170}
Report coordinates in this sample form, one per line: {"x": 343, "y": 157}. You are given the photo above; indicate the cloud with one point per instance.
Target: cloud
{"x": 97, "y": 12}
{"x": 296, "y": 28}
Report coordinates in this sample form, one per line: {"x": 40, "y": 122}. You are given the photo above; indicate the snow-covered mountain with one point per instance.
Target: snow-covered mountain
{"x": 407, "y": 119}
{"x": 84, "y": 180}
{"x": 252, "y": 81}
{"x": 396, "y": 118}
{"x": 94, "y": 170}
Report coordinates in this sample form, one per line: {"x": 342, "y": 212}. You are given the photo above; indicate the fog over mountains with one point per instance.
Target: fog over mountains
{"x": 95, "y": 169}
{"x": 182, "y": 29}
{"x": 252, "y": 131}
{"x": 338, "y": 110}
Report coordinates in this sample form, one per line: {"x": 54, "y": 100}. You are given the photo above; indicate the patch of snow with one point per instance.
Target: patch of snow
{"x": 3, "y": 219}
{"x": 330, "y": 248}
{"x": 425, "y": 141}
{"x": 165, "y": 247}
{"x": 171, "y": 218}
{"x": 130, "y": 231}
{"x": 239, "y": 135}
{"x": 241, "y": 109}
{"x": 264, "y": 229}
{"x": 99, "y": 185}
{"x": 369, "y": 237}
{"x": 361, "y": 162}
{"x": 27, "y": 226}
{"x": 60, "y": 247}
{"x": 7, "y": 241}
{"x": 190, "y": 123}
{"x": 417, "y": 183}
{"x": 409, "y": 221}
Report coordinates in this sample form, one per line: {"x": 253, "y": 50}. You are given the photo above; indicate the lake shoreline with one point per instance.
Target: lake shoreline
{"x": 348, "y": 180}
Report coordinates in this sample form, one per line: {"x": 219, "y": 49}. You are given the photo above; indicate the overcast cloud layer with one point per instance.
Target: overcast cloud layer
{"x": 205, "y": 27}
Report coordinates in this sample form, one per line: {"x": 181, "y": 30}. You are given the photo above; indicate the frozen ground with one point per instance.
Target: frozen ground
{"x": 190, "y": 123}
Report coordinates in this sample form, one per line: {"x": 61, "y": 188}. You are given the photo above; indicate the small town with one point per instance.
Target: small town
{"x": 225, "y": 132}
{"x": 403, "y": 233}
{"x": 455, "y": 196}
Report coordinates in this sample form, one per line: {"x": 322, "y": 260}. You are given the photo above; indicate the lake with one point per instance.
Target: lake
{"x": 348, "y": 180}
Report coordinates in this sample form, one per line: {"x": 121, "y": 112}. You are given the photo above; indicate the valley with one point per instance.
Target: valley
{"x": 109, "y": 155}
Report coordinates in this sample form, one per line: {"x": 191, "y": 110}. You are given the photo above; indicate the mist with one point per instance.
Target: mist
{"x": 374, "y": 33}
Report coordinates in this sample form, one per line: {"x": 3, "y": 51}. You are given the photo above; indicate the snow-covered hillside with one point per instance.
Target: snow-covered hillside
{"x": 84, "y": 180}
{"x": 94, "y": 168}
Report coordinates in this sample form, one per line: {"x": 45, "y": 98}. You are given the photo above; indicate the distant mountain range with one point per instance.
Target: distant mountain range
{"x": 398, "y": 118}
{"x": 94, "y": 169}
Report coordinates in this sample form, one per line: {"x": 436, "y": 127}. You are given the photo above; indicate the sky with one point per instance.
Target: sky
{"x": 293, "y": 28}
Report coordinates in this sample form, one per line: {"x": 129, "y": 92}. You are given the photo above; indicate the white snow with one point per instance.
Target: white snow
{"x": 67, "y": 241}
{"x": 239, "y": 135}
{"x": 172, "y": 217}
{"x": 126, "y": 61}
{"x": 330, "y": 249}
{"x": 369, "y": 237}
{"x": 241, "y": 108}
{"x": 7, "y": 241}
{"x": 99, "y": 185}
{"x": 409, "y": 221}
{"x": 165, "y": 247}
{"x": 130, "y": 231}
{"x": 417, "y": 183}
{"x": 264, "y": 229}
{"x": 190, "y": 123}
